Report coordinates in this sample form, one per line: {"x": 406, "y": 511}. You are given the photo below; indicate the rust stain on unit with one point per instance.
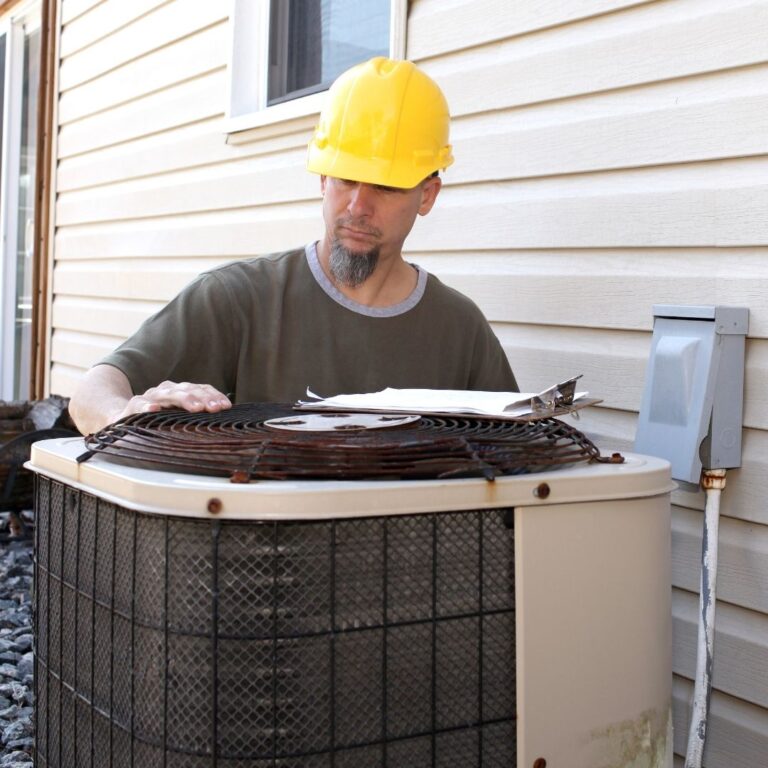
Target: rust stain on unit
{"x": 491, "y": 493}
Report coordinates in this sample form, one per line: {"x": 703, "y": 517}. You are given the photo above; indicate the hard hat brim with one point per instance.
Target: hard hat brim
{"x": 343, "y": 165}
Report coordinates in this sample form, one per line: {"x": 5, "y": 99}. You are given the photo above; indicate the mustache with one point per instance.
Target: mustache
{"x": 358, "y": 225}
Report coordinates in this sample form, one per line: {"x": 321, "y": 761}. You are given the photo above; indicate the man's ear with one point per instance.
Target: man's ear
{"x": 429, "y": 192}
{"x": 322, "y": 184}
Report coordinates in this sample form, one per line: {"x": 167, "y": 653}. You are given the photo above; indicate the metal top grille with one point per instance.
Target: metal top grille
{"x": 237, "y": 444}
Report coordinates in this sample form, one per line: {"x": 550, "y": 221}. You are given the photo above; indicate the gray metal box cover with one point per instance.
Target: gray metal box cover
{"x": 691, "y": 411}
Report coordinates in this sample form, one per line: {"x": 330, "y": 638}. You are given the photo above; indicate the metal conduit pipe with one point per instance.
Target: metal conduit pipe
{"x": 713, "y": 482}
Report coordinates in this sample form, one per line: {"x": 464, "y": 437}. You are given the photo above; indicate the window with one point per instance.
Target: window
{"x": 311, "y": 42}
{"x": 286, "y": 52}
{"x": 20, "y": 72}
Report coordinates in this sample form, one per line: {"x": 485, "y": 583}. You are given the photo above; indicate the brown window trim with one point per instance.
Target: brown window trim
{"x": 42, "y": 229}
{"x": 6, "y": 5}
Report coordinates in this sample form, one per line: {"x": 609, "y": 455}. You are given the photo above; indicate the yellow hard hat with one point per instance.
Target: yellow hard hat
{"x": 384, "y": 122}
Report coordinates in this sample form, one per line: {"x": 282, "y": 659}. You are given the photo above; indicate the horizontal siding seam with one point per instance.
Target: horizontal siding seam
{"x": 141, "y": 55}
{"x": 108, "y": 32}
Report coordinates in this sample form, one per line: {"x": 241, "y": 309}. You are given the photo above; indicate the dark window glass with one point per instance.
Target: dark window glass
{"x": 311, "y": 42}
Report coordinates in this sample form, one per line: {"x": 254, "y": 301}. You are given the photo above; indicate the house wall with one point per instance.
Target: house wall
{"x": 610, "y": 155}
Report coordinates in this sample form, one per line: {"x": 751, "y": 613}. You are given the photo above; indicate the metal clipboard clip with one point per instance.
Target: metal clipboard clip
{"x": 558, "y": 396}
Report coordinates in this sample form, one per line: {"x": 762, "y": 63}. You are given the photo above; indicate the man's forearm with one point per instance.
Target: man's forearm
{"x": 105, "y": 395}
{"x": 100, "y": 399}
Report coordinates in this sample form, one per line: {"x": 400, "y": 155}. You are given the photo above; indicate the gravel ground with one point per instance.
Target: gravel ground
{"x": 16, "y": 660}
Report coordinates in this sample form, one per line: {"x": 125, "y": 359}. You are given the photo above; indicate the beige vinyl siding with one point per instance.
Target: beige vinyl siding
{"x": 610, "y": 155}
{"x": 71, "y": 9}
{"x": 736, "y": 734}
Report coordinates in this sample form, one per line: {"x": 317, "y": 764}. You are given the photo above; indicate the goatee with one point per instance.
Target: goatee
{"x": 352, "y": 268}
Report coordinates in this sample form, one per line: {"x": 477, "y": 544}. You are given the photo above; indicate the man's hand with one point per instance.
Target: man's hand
{"x": 171, "y": 394}
{"x": 104, "y": 396}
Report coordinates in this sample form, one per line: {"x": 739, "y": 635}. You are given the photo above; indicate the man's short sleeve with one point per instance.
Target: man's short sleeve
{"x": 491, "y": 371}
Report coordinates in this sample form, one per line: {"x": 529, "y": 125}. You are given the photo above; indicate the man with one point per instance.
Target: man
{"x": 346, "y": 314}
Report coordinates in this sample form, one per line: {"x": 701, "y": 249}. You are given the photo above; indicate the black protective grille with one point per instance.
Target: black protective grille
{"x": 237, "y": 444}
{"x": 362, "y": 643}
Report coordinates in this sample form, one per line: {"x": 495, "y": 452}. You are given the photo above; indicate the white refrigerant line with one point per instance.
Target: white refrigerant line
{"x": 713, "y": 482}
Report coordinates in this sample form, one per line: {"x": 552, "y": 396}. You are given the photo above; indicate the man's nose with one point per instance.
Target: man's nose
{"x": 361, "y": 199}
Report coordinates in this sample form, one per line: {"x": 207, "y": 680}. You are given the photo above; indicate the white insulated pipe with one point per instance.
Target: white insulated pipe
{"x": 713, "y": 482}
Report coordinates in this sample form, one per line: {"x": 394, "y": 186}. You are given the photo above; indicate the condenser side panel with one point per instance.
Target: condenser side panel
{"x": 594, "y": 633}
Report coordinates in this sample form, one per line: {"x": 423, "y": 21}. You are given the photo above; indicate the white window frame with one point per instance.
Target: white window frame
{"x": 13, "y": 28}
{"x": 248, "y": 72}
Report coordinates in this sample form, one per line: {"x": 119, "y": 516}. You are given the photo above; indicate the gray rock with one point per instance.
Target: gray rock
{"x": 13, "y": 689}
{"x": 25, "y": 667}
{"x": 16, "y": 730}
{"x": 47, "y": 413}
{"x": 26, "y": 743}
{"x": 16, "y": 657}
{"x": 16, "y": 759}
{"x": 23, "y": 643}
{"x": 13, "y": 619}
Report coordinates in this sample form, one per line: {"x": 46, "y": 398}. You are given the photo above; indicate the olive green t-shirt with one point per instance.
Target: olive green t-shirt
{"x": 268, "y": 328}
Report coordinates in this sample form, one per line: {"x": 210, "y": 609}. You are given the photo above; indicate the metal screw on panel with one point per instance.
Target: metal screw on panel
{"x": 541, "y": 491}
{"x": 539, "y": 762}
{"x": 214, "y": 506}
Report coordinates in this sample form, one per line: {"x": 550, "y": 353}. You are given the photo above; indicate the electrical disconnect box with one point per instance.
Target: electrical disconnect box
{"x": 691, "y": 412}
